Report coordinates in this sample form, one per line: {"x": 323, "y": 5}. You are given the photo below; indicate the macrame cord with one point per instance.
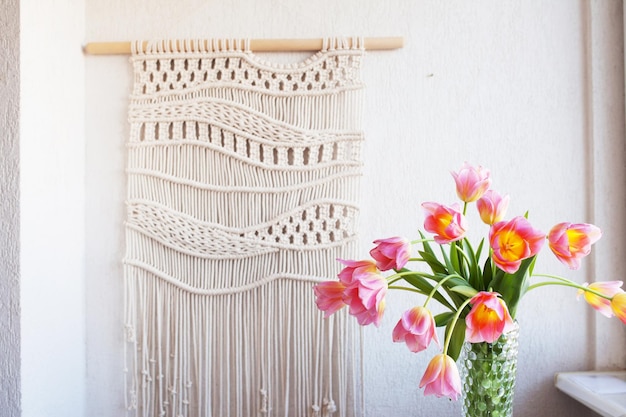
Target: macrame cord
{"x": 242, "y": 180}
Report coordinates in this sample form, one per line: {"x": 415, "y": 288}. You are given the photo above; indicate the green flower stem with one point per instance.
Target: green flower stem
{"x": 554, "y": 277}
{"x": 436, "y": 287}
{"x": 492, "y": 262}
{"x": 398, "y": 275}
{"x": 454, "y": 320}
{"x": 413, "y": 242}
{"x": 462, "y": 252}
{"x": 394, "y": 287}
{"x": 566, "y": 283}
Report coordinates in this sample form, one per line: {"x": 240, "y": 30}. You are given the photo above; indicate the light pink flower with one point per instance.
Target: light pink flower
{"x": 608, "y": 288}
{"x": 446, "y": 223}
{"x": 488, "y": 318}
{"x": 513, "y": 241}
{"x": 492, "y": 207}
{"x": 391, "y": 253}
{"x": 355, "y": 270}
{"x": 618, "y": 305}
{"x": 365, "y": 291}
{"x": 416, "y": 328}
{"x": 471, "y": 182}
{"x": 442, "y": 378}
{"x": 572, "y": 242}
{"x": 329, "y": 296}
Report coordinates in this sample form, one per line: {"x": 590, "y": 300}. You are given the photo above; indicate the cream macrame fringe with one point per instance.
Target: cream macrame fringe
{"x": 243, "y": 183}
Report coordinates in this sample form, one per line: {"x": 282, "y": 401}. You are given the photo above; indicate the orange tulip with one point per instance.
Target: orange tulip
{"x": 513, "y": 241}
{"x": 447, "y": 223}
{"x": 488, "y": 318}
{"x": 571, "y": 242}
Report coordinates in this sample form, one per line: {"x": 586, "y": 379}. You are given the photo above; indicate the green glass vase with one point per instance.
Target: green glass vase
{"x": 488, "y": 376}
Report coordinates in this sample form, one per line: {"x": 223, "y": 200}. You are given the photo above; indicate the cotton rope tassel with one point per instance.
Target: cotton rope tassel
{"x": 243, "y": 184}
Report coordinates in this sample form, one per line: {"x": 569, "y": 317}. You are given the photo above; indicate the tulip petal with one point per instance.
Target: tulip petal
{"x": 618, "y": 305}
{"x": 572, "y": 242}
{"x": 441, "y": 378}
{"x": 416, "y": 328}
{"x": 391, "y": 253}
{"x": 513, "y": 241}
{"x": 447, "y": 223}
{"x": 471, "y": 182}
{"x": 601, "y": 304}
{"x": 488, "y": 318}
{"x": 329, "y": 296}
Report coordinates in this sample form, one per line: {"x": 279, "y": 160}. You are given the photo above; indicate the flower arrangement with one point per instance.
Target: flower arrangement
{"x": 481, "y": 296}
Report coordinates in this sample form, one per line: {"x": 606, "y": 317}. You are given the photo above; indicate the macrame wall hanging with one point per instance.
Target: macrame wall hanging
{"x": 242, "y": 193}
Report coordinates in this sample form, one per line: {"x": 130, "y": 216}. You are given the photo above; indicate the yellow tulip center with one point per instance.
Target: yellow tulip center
{"x": 512, "y": 245}
{"x": 574, "y": 237}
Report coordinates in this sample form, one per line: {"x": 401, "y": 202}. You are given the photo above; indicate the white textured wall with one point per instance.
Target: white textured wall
{"x": 507, "y": 84}
{"x": 9, "y": 209}
{"x": 52, "y": 254}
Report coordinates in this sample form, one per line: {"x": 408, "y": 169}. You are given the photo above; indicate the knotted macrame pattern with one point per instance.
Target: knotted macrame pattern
{"x": 242, "y": 192}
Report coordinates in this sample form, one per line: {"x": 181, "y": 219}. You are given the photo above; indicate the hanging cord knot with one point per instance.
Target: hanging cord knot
{"x": 130, "y": 333}
{"x": 133, "y": 400}
{"x": 328, "y": 407}
{"x": 264, "y": 409}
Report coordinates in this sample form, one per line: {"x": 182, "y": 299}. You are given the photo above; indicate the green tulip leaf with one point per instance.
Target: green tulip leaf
{"x": 457, "y": 338}
{"x": 443, "y": 318}
{"x": 465, "y": 290}
{"x": 433, "y": 262}
{"x": 426, "y": 287}
{"x": 512, "y": 287}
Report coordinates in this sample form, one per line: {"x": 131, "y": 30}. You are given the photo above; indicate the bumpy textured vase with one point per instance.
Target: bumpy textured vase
{"x": 488, "y": 375}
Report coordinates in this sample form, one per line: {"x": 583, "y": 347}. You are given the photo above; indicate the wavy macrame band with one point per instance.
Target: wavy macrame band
{"x": 243, "y": 181}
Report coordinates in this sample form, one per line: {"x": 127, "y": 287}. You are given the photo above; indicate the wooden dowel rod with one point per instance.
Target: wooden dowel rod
{"x": 256, "y": 45}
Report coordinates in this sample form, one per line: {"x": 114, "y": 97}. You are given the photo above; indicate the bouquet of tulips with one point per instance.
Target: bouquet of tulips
{"x": 481, "y": 296}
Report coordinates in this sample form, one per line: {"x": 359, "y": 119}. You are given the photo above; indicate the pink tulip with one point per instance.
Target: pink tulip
{"x": 416, "y": 328}
{"x": 442, "y": 378}
{"x": 492, "y": 207}
{"x": 513, "y": 241}
{"x": 329, "y": 296}
{"x": 572, "y": 242}
{"x": 447, "y": 223}
{"x": 608, "y": 288}
{"x": 471, "y": 182}
{"x": 618, "y": 305}
{"x": 391, "y": 253}
{"x": 366, "y": 300}
{"x": 356, "y": 270}
{"x": 488, "y": 318}
{"x": 365, "y": 291}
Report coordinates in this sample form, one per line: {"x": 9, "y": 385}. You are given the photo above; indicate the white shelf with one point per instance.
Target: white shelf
{"x": 603, "y": 392}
